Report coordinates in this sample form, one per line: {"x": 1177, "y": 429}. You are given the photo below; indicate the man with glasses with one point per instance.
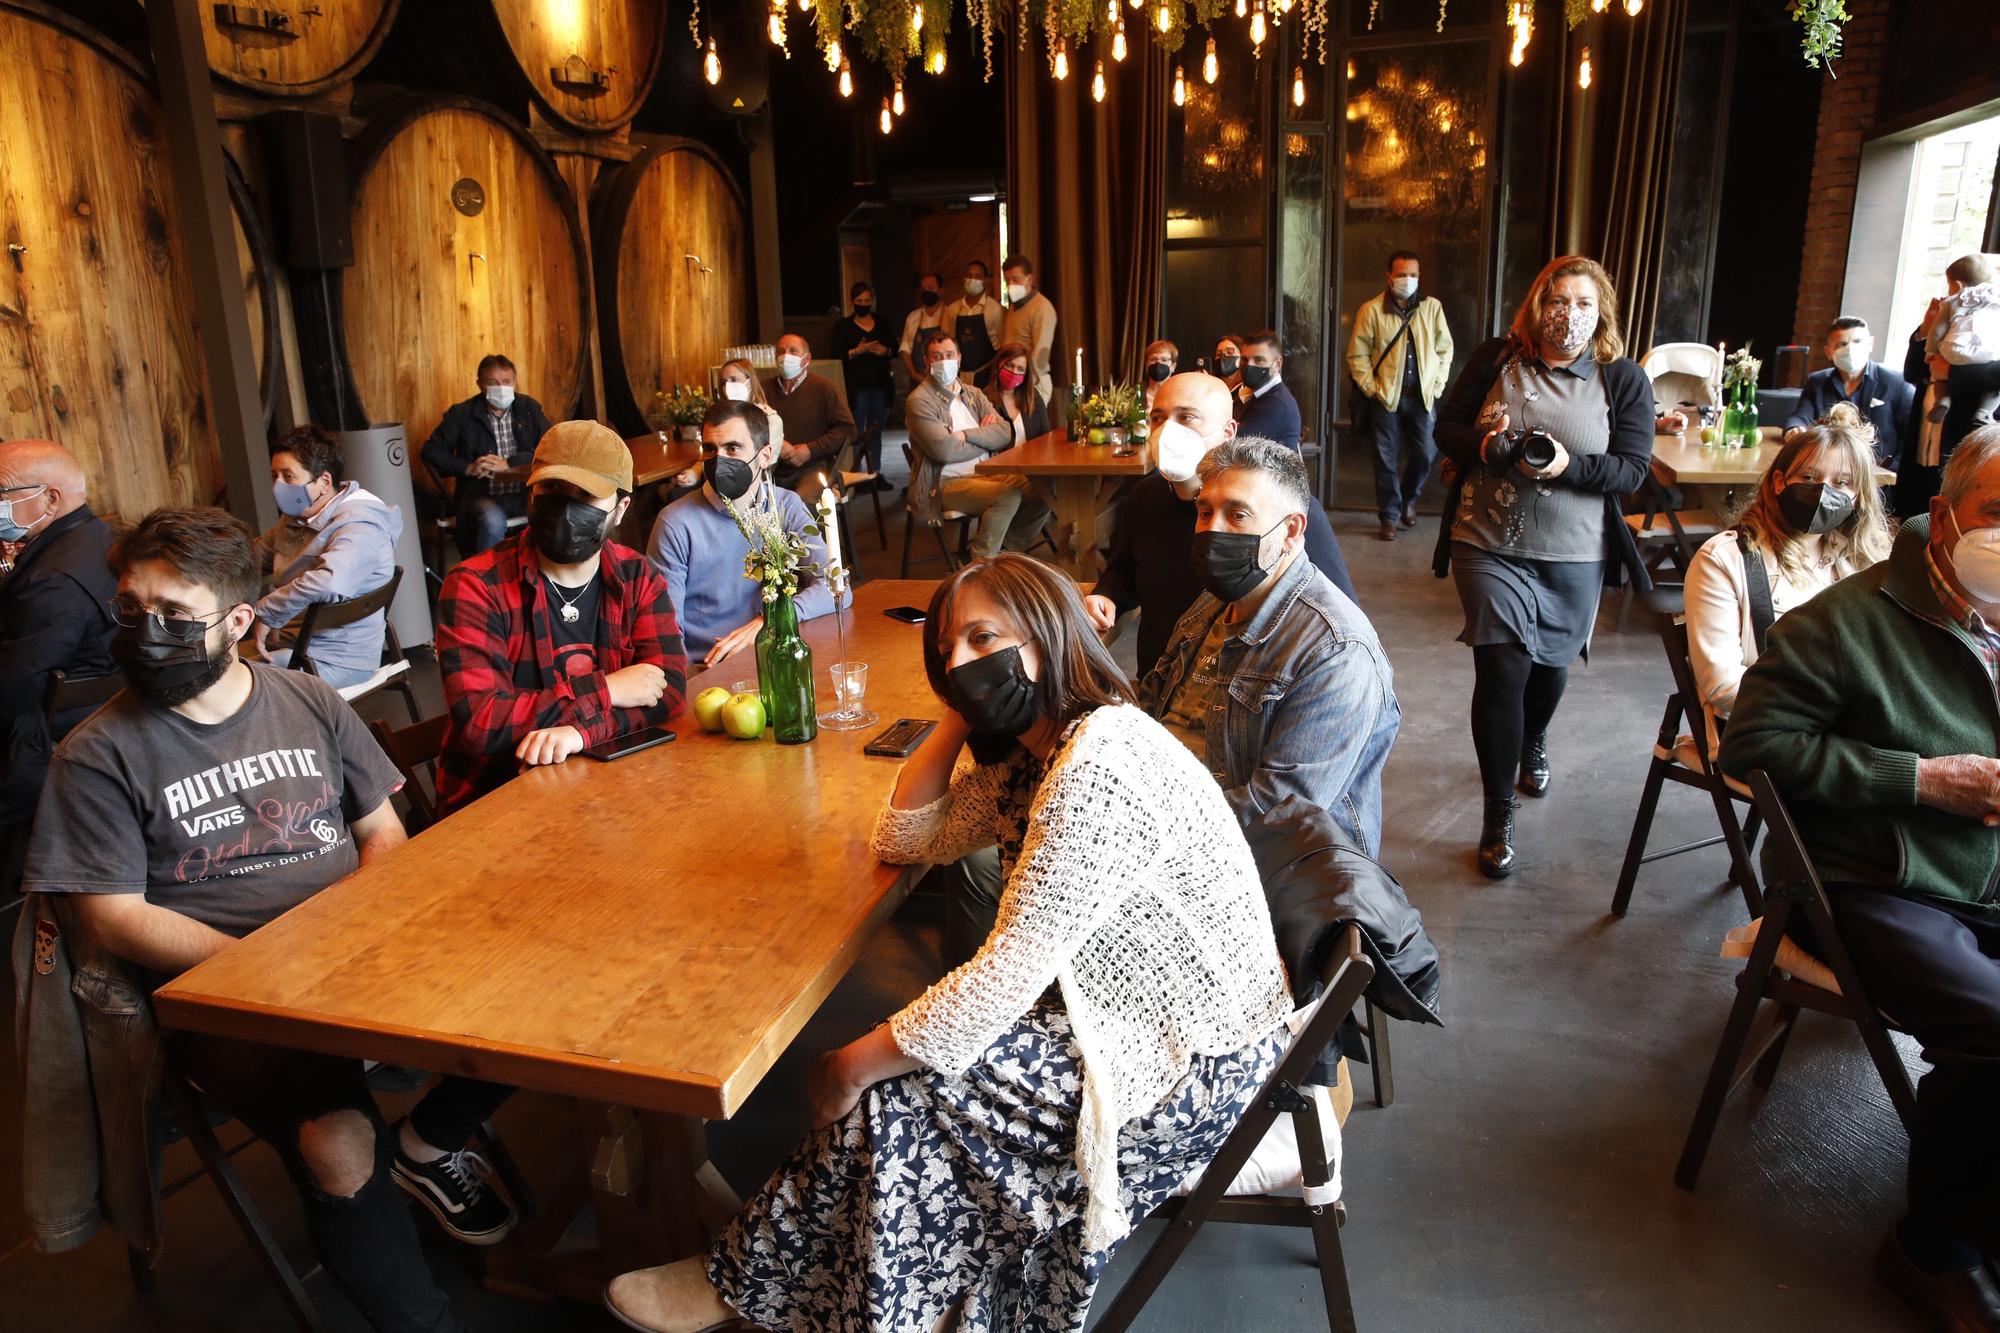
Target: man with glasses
{"x": 54, "y": 616}
{"x": 202, "y": 802}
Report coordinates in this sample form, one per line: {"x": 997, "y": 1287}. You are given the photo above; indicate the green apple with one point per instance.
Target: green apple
{"x": 708, "y": 707}
{"x": 1096, "y": 435}
{"x": 1710, "y": 435}
{"x": 743, "y": 716}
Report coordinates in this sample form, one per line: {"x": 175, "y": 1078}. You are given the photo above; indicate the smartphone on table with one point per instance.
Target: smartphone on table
{"x": 630, "y": 743}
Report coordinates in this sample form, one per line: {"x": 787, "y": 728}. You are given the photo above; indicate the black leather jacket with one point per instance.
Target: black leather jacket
{"x": 466, "y": 432}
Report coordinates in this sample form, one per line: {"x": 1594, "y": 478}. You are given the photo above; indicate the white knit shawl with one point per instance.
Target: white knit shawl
{"x": 1136, "y": 894}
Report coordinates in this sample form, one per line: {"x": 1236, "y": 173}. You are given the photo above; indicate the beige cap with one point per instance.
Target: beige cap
{"x": 588, "y": 454}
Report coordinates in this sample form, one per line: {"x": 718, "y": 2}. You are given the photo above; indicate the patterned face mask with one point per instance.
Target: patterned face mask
{"x": 1567, "y": 328}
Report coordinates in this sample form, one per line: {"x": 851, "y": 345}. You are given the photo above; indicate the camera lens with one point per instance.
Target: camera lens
{"x": 1538, "y": 450}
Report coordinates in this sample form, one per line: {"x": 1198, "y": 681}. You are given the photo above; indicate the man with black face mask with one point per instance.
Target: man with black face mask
{"x": 698, "y": 549}
{"x": 205, "y": 800}
{"x": 558, "y": 639}
{"x": 1265, "y": 408}
{"x": 1274, "y": 678}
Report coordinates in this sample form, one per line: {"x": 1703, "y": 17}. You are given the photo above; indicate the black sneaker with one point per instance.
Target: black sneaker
{"x": 458, "y": 1190}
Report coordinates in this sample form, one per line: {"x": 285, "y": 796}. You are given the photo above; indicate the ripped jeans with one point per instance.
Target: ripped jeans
{"x": 367, "y": 1240}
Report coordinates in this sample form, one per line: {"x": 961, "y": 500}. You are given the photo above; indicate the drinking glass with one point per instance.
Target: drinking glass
{"x": 850, "y": 688}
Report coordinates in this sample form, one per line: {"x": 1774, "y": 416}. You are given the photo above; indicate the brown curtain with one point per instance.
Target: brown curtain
{"x": 1640, "y": 85}
{"x": 1086, "y": 200}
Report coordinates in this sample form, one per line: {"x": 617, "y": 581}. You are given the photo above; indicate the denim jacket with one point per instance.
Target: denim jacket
{"x": 1310, "y": 705}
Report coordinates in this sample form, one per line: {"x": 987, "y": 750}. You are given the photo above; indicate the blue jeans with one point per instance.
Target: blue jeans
{"x": 331, "y": 672}
{"x": 871, "y": 410}
{"x": 1409, "y": 424}
{"x": 482, "y": 521}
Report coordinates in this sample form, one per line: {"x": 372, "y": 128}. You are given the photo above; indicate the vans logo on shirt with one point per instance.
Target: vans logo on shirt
{"x": 213, "y": 820}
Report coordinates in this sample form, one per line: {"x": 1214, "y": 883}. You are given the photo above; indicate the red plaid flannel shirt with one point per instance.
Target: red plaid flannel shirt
{"x": 497, "y": 652}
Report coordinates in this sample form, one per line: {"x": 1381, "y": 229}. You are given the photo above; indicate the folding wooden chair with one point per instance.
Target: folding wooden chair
{"x": 1346, "y": 975}
{"x": 926, "y": 509}
{"x": 395, "y": 669}
{"x": 411, "y": 749}
{"x": 1374, "y": 1027}
{"x": 1665, "y": 533}
{"x": 1685, "y": 759}
{"x": 848, "y": 480}
{"x": 1794, "y": 889}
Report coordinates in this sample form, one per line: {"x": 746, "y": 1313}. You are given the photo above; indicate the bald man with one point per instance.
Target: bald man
{"x": 55, "y": 615}
{"x": 1152, "y": 555}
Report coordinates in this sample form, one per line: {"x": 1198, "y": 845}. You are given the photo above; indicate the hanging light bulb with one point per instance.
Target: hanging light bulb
{"x": 1180, "y": 87}
{"x": 846, "y": 79}
{"x": 1210, "y": 66}
{"x": 1633, "y": 7}
{"x": 1097, "y": 84}
{"x": 1521, "y": 18}
{"x": 1165, "y": 17}
{"x": 897, "y": 101}
{"x": 711, "y": 65}
{"x": 835, "y": 57}
{"x": 1350, "y": 69}
{"x": 936, "y": 63}
{"x": 805, "y": 6}
{"x": 1111, "y": 11}
{"x": 1298, "y": 85}
{"x": 1599, "y": 6}
{"x": 1242, "y": 8}
{"x": 1284, "y": 6}
{"x": 888, "y": 120}
{"x": 777, "y": 24}
{"x": 1136, "y": 4}
{"x": 1257, "y": 26}
{"x": 1583, "y": 69}
{"x": 916, "y": 18}
{"x": 1062, "y": 58}
{"x": 1118, "y": 41}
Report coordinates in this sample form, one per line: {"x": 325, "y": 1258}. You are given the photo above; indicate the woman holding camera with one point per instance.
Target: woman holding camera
{"x": 1547, "y": 426}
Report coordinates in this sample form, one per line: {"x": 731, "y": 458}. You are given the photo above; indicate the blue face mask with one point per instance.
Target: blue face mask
{"x": 293, "y": 499}
{"x": 10, "y": 529}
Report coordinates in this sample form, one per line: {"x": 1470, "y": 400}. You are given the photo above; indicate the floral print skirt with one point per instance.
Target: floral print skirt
{"x": 938, "y": 1189}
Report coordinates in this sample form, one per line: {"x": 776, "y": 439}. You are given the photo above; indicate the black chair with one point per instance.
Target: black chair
{"x": 1665, "y": 533}
{"x": 1685, "y": 759}
{"x": 395, "y": 669}
{"x": 1794, "y": 889}
{"x": 411, "y": 749}
{"x": 64, "y": 693}
{"x": 844, "y": 491}
{"x": 1347, "y": 974}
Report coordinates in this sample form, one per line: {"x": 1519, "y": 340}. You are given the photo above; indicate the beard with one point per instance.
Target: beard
{"x": 180, "y": 692}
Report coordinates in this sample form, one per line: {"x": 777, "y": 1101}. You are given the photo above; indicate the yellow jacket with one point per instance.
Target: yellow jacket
{"x": 1375, "y": 325}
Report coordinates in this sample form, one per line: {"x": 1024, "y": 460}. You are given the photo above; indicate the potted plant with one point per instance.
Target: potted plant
{"x": 1110, "y": 414}
{"x": 678, "y": 411}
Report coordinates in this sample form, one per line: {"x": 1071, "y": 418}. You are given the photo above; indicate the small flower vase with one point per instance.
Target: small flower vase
{"x": 785, "y": 675}
{"x": 660, "y": 414}
{"x": 689, "y": 433}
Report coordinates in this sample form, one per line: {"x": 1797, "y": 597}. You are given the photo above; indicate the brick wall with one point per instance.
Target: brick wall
{"x": 1848, "y": 106}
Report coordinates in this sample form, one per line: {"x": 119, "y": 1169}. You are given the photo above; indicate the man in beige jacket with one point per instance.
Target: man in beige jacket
{"x": 1399, "y": 361}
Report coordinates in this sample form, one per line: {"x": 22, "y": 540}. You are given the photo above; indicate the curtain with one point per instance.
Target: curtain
{"x": 1086, "y": 200}
{"x": 1638, "y": 82}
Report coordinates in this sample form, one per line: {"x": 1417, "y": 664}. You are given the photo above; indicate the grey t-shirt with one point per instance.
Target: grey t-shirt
{"x": 231, "y": 823}
{"x": 1503, "y": 511}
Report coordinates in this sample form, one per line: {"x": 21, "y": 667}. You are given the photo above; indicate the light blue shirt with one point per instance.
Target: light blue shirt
{"x": 699, "y": 551}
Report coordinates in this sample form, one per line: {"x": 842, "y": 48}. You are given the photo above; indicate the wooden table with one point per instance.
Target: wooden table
{"x": 1076, "y": 482}
{"x": 649, "y": 933}
{"x": 1682, "y": 460}
{"x": 654, "y": 458}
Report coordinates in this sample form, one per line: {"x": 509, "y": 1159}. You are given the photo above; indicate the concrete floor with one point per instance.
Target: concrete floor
{"x": 1521, "y": 1180}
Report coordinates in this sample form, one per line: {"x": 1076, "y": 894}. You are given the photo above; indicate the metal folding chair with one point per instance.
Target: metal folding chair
{"x": 1685, "y": 759}
{"x": 1346, "y": 975}
{"x": 1752, "y": 1045}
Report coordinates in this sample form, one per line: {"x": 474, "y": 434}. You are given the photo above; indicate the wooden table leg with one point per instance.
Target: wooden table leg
{"x": 1075, "y": 502}
{"x": 655, "y": 1195}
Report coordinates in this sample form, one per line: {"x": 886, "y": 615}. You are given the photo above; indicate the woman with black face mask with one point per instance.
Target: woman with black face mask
{"x": 857, "y": 341}
{"x": 1122, "y": 1014}
{"x": 1816, "y": 517}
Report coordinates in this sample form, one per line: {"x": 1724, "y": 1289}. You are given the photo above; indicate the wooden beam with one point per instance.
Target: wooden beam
{"x": 201, "y": 196}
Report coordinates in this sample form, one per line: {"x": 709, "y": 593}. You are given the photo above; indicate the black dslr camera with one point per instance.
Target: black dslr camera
{"x": 1534, "y": 448}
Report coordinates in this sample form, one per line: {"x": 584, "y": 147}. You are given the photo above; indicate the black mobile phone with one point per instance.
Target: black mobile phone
{"x": 900, "y": 739}
{"x": 630, "y": 743}
{"x": 909, "y": 615}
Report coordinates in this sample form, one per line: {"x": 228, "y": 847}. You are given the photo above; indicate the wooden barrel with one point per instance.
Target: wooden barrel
{"x": 673, "y": 273}
{"x": 293, "y": 48}
{"x": 465, "y": 243}
{"x": 254, "y": 266}
{"x": 97, "y": 328}
{"x": 588, "y": 63}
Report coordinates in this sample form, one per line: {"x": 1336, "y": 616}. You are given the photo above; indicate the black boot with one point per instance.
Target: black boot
{"x": 1496, "y": 839}
{"x": 1534, "y": 779}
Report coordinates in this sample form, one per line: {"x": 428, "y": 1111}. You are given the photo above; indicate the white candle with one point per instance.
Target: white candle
{"x": 829, "y": 533}
{"x": 1079, "y": 366}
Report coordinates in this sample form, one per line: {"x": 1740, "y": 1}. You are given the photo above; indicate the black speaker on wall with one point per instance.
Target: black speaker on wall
{"x": 305, "y": 172}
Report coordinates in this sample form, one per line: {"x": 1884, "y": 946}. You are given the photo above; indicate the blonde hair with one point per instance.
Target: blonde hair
{"x": 1857, "y": 543}
{"x": 1607, "y": 344}
{"x": 756, "y": 385}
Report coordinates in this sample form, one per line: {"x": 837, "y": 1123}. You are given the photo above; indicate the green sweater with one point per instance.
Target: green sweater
{"x": 1855, "y": 686}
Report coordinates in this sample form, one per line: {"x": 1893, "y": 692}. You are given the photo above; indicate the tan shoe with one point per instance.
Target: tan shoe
{"x": 673, "y": 1298}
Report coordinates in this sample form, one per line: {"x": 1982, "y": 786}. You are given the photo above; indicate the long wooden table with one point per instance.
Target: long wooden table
{"x": 654, "y": 458}
{"x": 1682, "y": 460}
{"x": 1076, "y": 482}
{"x": 650, "y": 933}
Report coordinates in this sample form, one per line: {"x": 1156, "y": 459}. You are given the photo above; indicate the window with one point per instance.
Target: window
{"x": 1951, "y": 190}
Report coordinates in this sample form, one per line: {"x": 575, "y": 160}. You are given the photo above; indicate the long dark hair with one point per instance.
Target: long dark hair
{"x": 1077, "y": 673}
{"x": 1026, "y": 395}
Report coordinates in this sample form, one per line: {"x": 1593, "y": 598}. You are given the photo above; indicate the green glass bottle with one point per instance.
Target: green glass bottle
{"x": 785, "y": 675}
{"x": 1732, "y": 416}
{"x": 1751, "y": 436}
{"x": 1075, "y": 423}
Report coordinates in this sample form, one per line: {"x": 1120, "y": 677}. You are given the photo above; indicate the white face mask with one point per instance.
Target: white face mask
{"x": 1404, "y": 288}
{"x": 1017, "y": 292}
{"x": 790, "y": 366}
{"x": 1181, "y": 450}
{"x": 736, "y": 391}
{"x": 945, "y": 372}
{"x": 1853, "y": 358}
{"x": 975, "y": 287}
{"x": 500, "y": 397}
{"x": 1975, "y": 558}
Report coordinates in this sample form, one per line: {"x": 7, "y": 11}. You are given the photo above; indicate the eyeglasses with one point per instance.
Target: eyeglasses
{"x": 130, "y": 614}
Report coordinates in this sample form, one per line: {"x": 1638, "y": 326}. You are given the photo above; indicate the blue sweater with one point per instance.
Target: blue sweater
{"x": 1882, "y": 396}
{"x": 699, "y": 550}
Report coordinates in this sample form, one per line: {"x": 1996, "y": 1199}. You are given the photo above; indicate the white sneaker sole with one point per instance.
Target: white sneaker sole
{"x": 445, "y": 1220}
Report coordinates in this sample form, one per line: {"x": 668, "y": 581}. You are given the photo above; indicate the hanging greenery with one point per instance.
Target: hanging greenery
{"x": 1821, "y": 20}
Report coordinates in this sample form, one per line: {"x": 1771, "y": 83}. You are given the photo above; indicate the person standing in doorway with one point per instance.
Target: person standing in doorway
{"x": 1400, "y": 361}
